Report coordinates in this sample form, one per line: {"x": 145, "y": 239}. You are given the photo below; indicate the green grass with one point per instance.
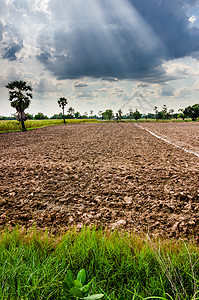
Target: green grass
{"x": 149, "y": 120}
{"x": 33, "y": 265}
{"x": 10, "y": 126}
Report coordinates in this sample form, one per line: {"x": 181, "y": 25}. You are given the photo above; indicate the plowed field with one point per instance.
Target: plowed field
{"x": 114, "y": 175}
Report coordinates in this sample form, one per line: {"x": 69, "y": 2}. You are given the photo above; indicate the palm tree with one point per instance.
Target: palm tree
{"x": 156, "y": 112}
{"x": 62, "y": 103}
{"x": 20, "y": 97}
{"x": 119, "y": 114}
{"x": 71, "y": 112}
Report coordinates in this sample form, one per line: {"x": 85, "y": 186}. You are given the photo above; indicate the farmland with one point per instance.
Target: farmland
{"x": 86, "y": 195}
{"x": 13, "y": 125}
{"x": 110, "y": 175}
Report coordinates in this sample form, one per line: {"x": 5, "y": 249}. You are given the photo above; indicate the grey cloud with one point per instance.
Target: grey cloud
{"x": 1, "y": 31}
{"x": 127, "y": 39}
{"x": 10, "y": 51}
{"x": 3, "y": 8}
{"x": 21, "y": 5}
{"x": 88, "y": 55}
{"x": 33, "y": 9}
{"x": 84, "y": 94}
{"x": 119, "y": 91}
{"x": 169, "y": 21}
{"x": 45, "y": 85}
{"x": 167, "y": 90}
{"x": 109, "y": 79}
{"x": 138, "y": 94}
{"x": 12, "y": 43}
{"x": 107, "y": 39}
{"x": 102, "y": 90}
{"x": 44, "y": 57}
{"x": 142, "y": 85}
{"x": 10, "y": 74}
{"x": 183, "y": 92}
{"x": 80, "y": 84}
{"x": 19, "y": 19}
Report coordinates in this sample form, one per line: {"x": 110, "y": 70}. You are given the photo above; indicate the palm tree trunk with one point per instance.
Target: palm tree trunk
{"x": 64, "y": 116}
{"x": 23, "y": 125}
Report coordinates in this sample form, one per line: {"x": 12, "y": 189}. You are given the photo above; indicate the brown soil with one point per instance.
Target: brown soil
{"x": 112, "y": 175}
{"x": 183, "y": 134}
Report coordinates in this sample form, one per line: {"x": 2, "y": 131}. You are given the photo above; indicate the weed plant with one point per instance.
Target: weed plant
{"x": 33, "y": 265}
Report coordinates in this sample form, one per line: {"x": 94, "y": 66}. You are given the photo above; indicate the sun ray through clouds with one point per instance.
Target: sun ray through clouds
{"x": 104, "y": 37}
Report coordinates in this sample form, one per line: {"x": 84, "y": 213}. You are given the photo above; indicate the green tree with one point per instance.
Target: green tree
{"x": 57, "y": 116}
{"x": 85, "y": 115}
{"x": 130, "y": 113}
{"x": 119, "y": 114}
{"x": 62, "y": 103}
{"x": 164, "y": 111}
{"x": 71, "y": 112}
{"x": 171, "y": 113}
{"x": 77, "y": 115}
{"x": 100, "y": 114}
{"x": 108, "y": 114}
{"x": 192, "y": 111}
{"x": 175, "y": 115}
{"x": 160, "y": 115}
{"x": 137, "y": 115}
{"x": 40, "y": 116}
{"x": 29, "y": 116}
{"x": 181, "y": 115}
{"x": 20, "y": 95}
{"x": 156, "y": 112}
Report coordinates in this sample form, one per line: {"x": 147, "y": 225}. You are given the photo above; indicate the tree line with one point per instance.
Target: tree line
{"x": 20, "y": 95}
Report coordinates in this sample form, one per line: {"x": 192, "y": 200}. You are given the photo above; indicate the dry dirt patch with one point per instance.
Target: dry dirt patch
{"x": 112, "y": 175}
{"x": 183, "y": 134}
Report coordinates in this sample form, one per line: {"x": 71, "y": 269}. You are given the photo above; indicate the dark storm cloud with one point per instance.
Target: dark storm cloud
{"x": 85, "y": 52}
{"x": 170, "y": 22}
{"x": 126, "y": 39}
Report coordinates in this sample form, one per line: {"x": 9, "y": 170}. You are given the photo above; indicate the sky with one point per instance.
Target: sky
{"x": 101, "y": 54}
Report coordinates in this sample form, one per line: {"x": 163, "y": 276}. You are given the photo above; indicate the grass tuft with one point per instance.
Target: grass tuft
{"x": 33, "y": 265}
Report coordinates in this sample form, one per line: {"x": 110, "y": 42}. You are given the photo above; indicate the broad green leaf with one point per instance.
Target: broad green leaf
{"x": 78, "y": 283}
{"x": 69, "y": 279}
{"x": 93, "y": 297}
{"x": 81, "y": 276}
{"x": 86, "y": 288}
{"x": 76, "y": 292}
